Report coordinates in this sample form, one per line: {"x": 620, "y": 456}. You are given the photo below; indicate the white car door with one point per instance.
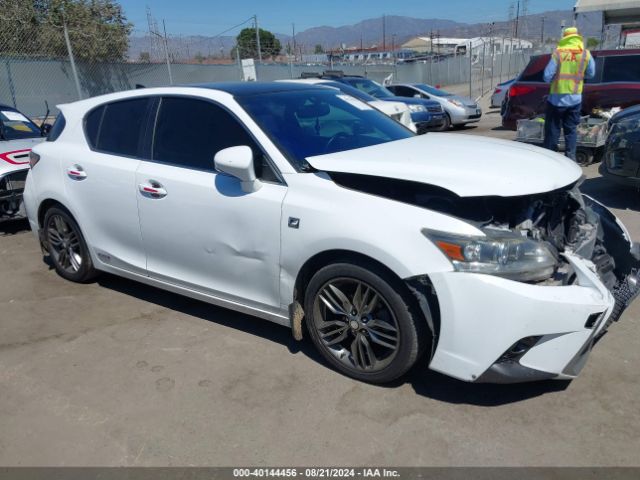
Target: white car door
{"x": 100, "y": 182}
{"x": 200, "y": 230}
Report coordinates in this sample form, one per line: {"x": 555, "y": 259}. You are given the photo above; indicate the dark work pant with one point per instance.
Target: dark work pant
{"x": 567, "y": 119}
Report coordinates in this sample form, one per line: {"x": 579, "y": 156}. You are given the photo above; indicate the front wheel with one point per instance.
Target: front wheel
{"x": 67, "y": 248}
{"x": 447, "y": 124}
{"x": 362, "y": 323}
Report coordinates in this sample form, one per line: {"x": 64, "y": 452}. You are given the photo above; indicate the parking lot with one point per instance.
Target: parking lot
{"x": 117, "y": 373}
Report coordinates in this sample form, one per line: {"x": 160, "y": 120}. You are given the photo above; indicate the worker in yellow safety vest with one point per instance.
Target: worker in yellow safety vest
{"x": 569, "y": 66}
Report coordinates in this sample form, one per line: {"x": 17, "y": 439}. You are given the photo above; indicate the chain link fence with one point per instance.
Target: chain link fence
{"x": 59, "y": 62}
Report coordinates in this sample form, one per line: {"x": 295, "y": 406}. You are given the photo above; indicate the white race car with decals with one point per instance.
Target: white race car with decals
{"x": 18, "y": 135}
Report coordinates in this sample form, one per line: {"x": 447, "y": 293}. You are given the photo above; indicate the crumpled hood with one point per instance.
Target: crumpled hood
{"x": 12, "y": 154}
{"x": 466, "y": 165}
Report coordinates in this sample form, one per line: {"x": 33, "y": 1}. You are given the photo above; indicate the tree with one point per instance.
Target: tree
{"x": 592, "y": 43}
{"x": 318, "y": 49}
{"x": 269, "y": 45}
{"x": 144, "y": 57}
{"x": 98, "y": 30}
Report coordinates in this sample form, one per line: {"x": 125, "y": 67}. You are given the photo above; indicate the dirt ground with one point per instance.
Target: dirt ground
{"x": 116, "y": 373}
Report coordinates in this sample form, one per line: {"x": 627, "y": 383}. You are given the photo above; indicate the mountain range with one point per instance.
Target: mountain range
{"x": 368, "y": 33}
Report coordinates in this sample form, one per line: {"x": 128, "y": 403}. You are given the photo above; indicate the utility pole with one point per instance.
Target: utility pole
{"x": 393, "y": 47}
{"x": 71, "y": 60}
{"x": 517, "y": 18}
{"x": 293, "y": 30}
{"x": 166, "y": 52}
{"x": 384, "y": 33}
{"x": 542, "y": 33}
{"x": 255, "y": 17}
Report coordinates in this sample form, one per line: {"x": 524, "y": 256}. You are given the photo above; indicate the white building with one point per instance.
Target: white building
{"x": 460, "y": 46}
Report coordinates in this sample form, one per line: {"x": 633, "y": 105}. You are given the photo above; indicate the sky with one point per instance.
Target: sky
{"x": 211, "y": 17}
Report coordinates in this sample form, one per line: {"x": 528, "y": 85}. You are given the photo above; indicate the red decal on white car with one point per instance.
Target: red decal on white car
{"x": 15, "y": 157}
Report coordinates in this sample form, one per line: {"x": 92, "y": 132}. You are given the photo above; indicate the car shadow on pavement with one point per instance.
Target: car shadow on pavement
{"x": 12, "y": 227}
{"x": 446, "y": 389}
{"x": 612, "y": 194}
{"x": 211, "y": 313}
{"x": 425, "y": 382}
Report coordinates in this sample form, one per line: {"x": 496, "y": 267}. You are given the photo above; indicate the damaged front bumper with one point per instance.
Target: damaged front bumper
{"x": 490, "y": 329}
{"x": 11, "y": 190}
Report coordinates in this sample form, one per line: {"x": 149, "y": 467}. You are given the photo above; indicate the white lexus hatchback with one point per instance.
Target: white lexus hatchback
{"x": 298, "y": 204}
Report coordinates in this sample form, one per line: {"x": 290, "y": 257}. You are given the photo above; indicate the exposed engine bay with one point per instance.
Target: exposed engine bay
{"x": 564, "y": 220}
{"x": 11, "y": 189}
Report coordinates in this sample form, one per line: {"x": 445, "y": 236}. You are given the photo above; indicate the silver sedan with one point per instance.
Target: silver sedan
{"x": 460, "y": 110}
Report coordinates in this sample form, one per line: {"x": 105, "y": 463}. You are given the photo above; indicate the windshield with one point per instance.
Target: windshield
{"x": 432, "y": 90}
{"x": 349, "y": 90}
{"x": 14, "y": 125}
{"x": 306, "y": 123}
{"x": 370, "y": 87}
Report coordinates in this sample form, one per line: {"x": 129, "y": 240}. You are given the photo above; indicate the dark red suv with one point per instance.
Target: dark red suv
{"x": 616, "y": 84}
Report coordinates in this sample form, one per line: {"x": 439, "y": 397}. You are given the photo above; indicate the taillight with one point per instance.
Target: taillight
{"x": 498, "y": 90}
{"x": 520, "y": 90}
{"x": 33, "y": 158}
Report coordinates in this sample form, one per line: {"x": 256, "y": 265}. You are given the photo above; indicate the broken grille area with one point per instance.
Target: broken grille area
{"x": 11, "y": 189}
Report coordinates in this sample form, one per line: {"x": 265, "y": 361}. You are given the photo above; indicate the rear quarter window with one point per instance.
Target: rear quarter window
{"x": 535, "y": 70}
{"x": 622, "y": 68}
{"x": 57, "y": 128}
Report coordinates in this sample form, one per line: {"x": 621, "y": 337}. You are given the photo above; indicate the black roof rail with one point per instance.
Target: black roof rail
{"x": 310, "y": 75}
{"x": 333, "y": 73}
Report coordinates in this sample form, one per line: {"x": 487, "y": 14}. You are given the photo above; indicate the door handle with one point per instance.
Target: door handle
{"x": 152, "y": 189}
{"x": 76, "y": 172}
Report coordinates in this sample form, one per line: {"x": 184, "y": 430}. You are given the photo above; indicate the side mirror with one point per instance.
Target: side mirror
{"x": 238, "y": 162}
{"x": 45, "y": 129}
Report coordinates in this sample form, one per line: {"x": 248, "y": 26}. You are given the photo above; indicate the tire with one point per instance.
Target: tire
{"x": 447, "y": 124}
{"x": 584, "y": 156}
{"x": 394, "y": 336}
{"x": 66, "y": 246}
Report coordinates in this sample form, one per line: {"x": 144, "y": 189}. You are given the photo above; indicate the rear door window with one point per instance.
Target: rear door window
{"x": 404, "y": 91}
{"x": 122, "y": 127}
{"x": 622, "y": 68}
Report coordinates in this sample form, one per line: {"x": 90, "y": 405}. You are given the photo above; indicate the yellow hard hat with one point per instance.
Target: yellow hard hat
{"x": 570, "y": 31}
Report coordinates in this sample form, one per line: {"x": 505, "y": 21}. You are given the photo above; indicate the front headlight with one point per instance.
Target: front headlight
{"x": 457, "y": 103}
{"x": 501, "y": 253}
{"x": 417, "y": 108}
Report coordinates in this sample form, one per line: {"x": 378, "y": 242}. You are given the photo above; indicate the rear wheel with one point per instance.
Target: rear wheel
{"x": 584, "y": 156}
{"x": 447, "y": 124}
{"x": 67, "y": 248}
{"x": 361, "y": 322}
